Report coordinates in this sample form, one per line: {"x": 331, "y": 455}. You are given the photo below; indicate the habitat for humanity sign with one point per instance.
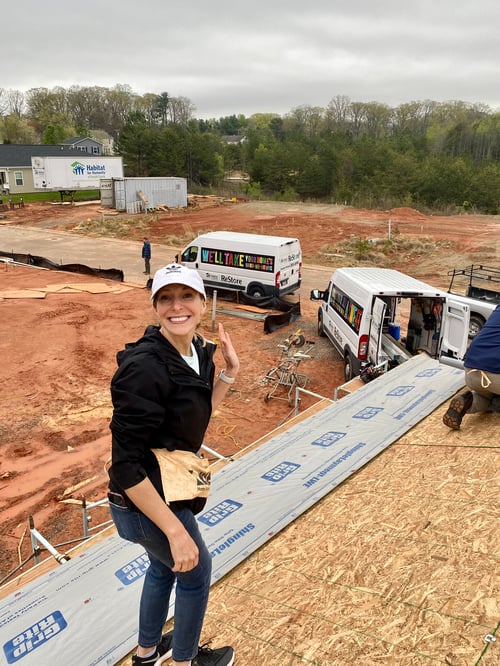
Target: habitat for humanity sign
{"x": 68, "y": 173}
{"x": 93, "y": 170}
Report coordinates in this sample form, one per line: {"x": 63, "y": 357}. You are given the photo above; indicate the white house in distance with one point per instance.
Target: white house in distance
{"x": 100, "y": 143}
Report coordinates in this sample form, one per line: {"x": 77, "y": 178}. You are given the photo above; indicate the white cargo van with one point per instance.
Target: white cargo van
{"x": 378, "y": 315}
{"x": 253, "y": 263}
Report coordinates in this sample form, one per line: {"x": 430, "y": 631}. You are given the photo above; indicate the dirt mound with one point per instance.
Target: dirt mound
{"x": 406, "y": 213}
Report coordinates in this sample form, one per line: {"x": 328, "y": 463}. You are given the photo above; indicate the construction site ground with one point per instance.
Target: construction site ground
{"x": 59, "y": 336}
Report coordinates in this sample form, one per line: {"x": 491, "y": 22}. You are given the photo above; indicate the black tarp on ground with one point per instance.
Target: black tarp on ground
{"x": 42, "y": 262}
{"x": 290, "y": 312}
{"x": 274, "y": 322}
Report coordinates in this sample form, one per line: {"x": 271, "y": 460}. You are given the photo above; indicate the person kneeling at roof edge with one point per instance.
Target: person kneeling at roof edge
{"x": 482, "y": 375}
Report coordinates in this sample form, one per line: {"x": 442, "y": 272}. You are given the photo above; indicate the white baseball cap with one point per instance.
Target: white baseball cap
{"x": 177, "y": 274}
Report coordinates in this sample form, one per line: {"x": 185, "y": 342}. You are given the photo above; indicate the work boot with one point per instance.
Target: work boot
{"x": 495, "y": 404}
{"x": 459, "y": 405}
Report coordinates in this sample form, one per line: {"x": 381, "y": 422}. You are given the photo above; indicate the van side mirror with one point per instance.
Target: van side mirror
{"x": 176, "y": 259}
{"x": 317, "y": 295}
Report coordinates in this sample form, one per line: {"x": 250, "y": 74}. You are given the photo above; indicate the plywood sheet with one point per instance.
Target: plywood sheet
{"x": 65, "y": 288}
{"x": 22, "y": 293}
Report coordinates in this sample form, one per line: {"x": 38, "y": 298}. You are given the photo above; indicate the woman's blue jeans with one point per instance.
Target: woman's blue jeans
{"x": 192, "y": 587}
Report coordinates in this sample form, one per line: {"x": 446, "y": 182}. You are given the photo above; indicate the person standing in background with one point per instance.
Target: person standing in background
{"x": 146, "y": 255}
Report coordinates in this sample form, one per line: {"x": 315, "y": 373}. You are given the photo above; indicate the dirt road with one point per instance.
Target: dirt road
{"x": 59, "y": 333}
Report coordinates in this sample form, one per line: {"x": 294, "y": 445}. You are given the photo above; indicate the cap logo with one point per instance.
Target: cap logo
{"x": 175, "y": 273}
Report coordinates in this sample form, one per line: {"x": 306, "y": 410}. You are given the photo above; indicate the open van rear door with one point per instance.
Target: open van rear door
{"x": 455, "y": 335}
{"x": 375, "y": 341}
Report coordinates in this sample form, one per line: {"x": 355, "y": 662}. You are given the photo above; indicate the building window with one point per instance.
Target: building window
{"x": 95, "y": 150}
{"x": 18, "y": 178}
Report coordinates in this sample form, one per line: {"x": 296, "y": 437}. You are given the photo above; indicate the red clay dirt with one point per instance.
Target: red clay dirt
{"x": 58, "y": 352}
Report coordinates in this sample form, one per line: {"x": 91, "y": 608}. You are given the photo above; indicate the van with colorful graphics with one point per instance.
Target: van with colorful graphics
{"x": 379, "y": 316}
{"x": 256, "y": 264}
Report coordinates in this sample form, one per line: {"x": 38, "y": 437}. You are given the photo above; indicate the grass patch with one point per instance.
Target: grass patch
{"x": 382, "y": 252}
{"x": 133, "y": 227}
{"x": 185, "y": 238}
{"x": 81, "y": 195}
{"x": 115, "y": 226}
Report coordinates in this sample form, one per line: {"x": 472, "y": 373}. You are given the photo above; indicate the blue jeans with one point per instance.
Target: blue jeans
{"x": 192, "y": 587}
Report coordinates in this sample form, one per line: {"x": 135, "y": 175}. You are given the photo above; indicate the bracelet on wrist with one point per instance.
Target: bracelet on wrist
{"x": 224, "y": 378}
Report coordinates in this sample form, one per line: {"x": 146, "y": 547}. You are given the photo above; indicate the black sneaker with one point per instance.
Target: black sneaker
{"x": 223, "y": 656}
{"x": 459, "y": 406}
{"x": 163, "y": 652}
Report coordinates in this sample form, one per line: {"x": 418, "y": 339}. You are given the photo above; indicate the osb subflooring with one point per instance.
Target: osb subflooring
{"x": 396, "y": 566}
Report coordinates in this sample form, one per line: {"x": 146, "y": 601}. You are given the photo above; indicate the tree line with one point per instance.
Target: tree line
{"x": 426, "y": 154}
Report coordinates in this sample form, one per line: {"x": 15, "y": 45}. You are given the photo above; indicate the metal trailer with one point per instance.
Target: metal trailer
{"x": 72, "y": 173}
{"x": 136, "y": 195}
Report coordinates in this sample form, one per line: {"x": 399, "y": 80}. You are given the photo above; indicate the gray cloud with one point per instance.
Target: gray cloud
{"x": 261, "y": 57}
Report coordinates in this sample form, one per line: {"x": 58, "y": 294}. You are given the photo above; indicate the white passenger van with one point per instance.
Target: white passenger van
{"x": 253, "y": 263}
{"x": 376, "y": 316}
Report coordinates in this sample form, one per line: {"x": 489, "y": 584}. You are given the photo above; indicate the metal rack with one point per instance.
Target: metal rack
{"x": 285, "y": 373}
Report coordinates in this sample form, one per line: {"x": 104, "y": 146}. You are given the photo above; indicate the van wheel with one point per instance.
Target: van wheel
{"x": 348, "y": 371}
{"x": 256, "y": 291}
{"x": 476, "y": 323}
{"x": 321, "y": 328}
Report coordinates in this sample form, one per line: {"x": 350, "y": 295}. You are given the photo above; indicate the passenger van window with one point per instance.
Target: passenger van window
{"x": 232, "y": 259}
{"x": 190, "y": 254}
{"x": 348, "y": 309}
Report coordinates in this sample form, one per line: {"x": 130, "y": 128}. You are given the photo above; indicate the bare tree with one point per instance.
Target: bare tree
{"x": 377, "y": 119}
{"x": 307, "y": 119}
{"x": 87, "y": 105}
{"x": 181, "y": 110}
{"x": 337, "y": 113}
{"x": 16, "y": 103}
{"x": 357, "y": 116}
{"x": 145, "y": 104}
{"x": 119, "y": 102}
{"x": 3, "y": 102}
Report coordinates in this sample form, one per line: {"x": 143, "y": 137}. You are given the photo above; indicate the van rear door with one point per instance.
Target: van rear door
{"x": 289, "y": 265}
{"x": 455, "y": 330}
{"x": 375, "y": 341}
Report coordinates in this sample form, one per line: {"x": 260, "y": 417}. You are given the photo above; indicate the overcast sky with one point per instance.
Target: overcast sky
{"x": 258, "y": 56}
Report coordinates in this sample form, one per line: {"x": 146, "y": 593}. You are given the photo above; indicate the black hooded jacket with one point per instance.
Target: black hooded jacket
{"x": 158, "y": 401}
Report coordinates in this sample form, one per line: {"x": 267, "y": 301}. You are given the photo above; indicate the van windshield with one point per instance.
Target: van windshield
{"x": 190, "y": 253}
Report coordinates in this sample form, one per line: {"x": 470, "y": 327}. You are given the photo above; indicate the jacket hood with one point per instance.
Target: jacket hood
{"x": 148, "y": 338}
